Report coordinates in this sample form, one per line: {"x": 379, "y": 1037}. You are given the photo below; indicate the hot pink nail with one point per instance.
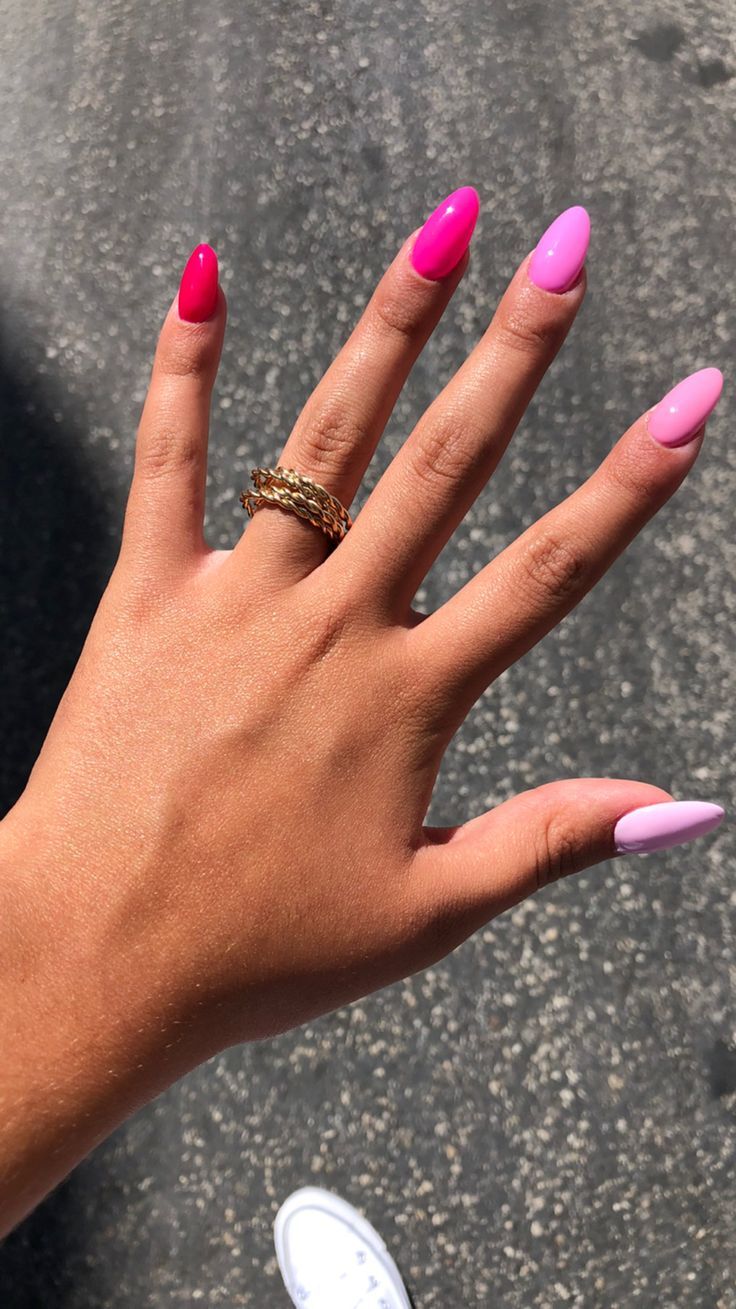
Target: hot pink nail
{"x": 446, "y": 234}
{"x": 198, "y": 289}
{"x": 685, "y": 408}
{"x": 560, "y": 255}
{"x": 659, "y": 826}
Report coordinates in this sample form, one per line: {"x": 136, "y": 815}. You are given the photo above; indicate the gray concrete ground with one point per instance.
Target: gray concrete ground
{"x": 548, "y": 1117}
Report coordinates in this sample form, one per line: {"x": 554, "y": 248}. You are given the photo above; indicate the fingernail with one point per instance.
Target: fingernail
{"x": 198, "y": 287}
{"x": 446, "y": 234}
{"x": 659, "y": 826}
{"x": 560, "y": 255}
{"x": 685, "y": 408}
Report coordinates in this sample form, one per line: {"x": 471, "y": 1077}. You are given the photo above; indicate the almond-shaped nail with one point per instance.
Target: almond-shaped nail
{"x": 559, "y": 257}
{"x": 446, "y": 234}
{"x": 198, "y": 287}
{"x": 680, "y": 416}
{"x": 659, "y": 826}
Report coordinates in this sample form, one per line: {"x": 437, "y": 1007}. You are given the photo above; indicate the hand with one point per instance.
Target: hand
{"x": 224, "y": 833}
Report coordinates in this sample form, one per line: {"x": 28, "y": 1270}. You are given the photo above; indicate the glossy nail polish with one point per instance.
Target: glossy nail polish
{"x": 559, "y": 257}
{"x": 446, "y": 234}
{"x": 198, "y": 288}
{"x": 659, "y": 826}
{"x": 681, "y": 414}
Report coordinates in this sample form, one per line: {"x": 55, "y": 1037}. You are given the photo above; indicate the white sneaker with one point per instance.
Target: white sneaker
{"x": 331, "y": 1258}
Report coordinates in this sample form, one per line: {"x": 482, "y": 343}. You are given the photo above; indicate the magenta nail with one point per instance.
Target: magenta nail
{"x": 682, "y": 412}
{"x": 198, "y": 290}
{"x": 446, "y": 234}
{"x": 659, "y": 826}
{"x": 559, "y": 257}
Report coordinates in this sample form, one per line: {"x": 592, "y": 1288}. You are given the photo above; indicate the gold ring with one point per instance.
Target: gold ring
{"x": 298, "y": 494}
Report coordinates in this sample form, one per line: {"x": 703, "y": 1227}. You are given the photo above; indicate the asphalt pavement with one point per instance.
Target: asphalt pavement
{"x": 549, "y": 1116}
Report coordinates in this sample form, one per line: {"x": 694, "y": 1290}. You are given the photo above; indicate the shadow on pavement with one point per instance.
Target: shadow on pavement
{"x": 56, "y": 554}
{"x": 57, "y": 549}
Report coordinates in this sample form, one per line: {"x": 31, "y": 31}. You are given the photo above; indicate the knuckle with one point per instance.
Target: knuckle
{"x": 329, "y": 632}
{"x": 329, "y": 438}
{"x": 552, "y": 568}
{"x": 442, "y": 455}
{"x": 639, "y": 480}
{"x": 325, "y": 619}
{"x": 402, "y": 303}
{"x": 558, "y": 849}
{"x": 165, "y": 453}
{"x": 398, "y": 314}
{"x": 139, "y": 596}
{"x": 530, "y": 332}
{"x": 184, "y": 354}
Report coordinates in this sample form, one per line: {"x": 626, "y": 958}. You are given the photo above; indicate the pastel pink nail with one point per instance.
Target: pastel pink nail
{"x": 560, "y": 254}
{"x": 446, "y": 234}
{"x": 198, "y": 289}
{"x": 681, "y": 414}
{"x": 659, "y": 826}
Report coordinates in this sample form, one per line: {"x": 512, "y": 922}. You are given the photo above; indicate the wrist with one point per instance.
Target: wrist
{"x": 90, "y": 1027}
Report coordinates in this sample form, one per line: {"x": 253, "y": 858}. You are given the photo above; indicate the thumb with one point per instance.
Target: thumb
{"x": 473, "y": 872}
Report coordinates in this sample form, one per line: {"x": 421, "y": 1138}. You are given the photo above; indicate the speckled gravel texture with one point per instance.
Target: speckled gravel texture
{"x": 549, "y": 1116}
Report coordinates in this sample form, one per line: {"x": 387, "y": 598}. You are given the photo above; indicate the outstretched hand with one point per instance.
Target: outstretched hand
{"x": 224, "y": 834}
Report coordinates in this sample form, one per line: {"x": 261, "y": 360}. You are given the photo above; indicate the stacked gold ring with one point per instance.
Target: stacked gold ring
{"x": 298, "y": 494}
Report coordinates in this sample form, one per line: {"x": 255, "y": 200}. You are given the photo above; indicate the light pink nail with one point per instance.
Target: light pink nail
{"x": 560, "y": 255}
{"x": 659, "y": 826}
{"x": 446, "y": 234}
{"x": 681, "y": 414}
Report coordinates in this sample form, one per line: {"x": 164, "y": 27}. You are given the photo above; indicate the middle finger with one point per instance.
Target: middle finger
{"x": 444, "y": 464}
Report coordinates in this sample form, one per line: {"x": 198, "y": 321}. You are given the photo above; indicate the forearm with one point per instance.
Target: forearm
{"x": 86, "y": 1037}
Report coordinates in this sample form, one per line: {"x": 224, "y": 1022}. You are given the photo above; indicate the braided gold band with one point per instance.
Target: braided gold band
{"x": 299, "y": 495}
